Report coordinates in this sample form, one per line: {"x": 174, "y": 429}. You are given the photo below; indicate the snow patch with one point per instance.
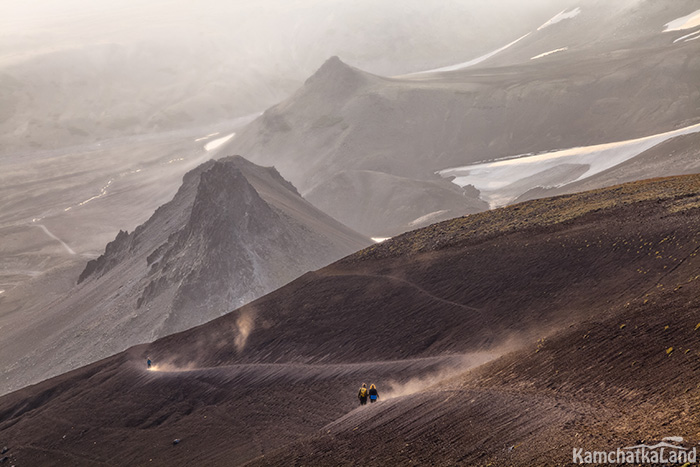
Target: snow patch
{"x": 563, "y": 49}
{"x": 427, "y": 217}
{"x": 211, "y": 145}
{"x": 491, "y": 178}
{"x": 473, "y": 62}
{"x": 206, "y": 137}
{"x": 696, "y": 33}
{"x": 561, "y": 17}
{"x": 686, "y": 22}
{"x": 380, "y": 239}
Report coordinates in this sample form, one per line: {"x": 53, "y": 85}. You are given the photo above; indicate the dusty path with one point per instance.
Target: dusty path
{"x": 63, "y": 244}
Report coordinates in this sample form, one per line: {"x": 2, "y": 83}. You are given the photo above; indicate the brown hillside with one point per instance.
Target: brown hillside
{"x": 278, "y": 377}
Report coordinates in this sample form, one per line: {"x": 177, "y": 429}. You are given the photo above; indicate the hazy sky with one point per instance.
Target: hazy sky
{"x": 96, "y": 67}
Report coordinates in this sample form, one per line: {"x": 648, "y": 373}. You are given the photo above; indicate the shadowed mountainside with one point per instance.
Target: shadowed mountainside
{"x": 574, "y": 291}
{"x": 396, "y": 200}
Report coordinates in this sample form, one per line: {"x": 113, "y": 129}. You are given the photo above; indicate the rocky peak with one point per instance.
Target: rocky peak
{"x": 335, "y": 76}
{"x": 255, "y": 172}
{"x": 226, "y": 204}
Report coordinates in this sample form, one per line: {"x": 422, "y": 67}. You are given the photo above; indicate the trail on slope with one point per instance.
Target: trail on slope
{"x": 482, "y": 317}
{"x": 63, "y": 244}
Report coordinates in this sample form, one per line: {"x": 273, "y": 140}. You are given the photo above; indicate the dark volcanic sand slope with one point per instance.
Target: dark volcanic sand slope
{"x": 571, "y": 270}
{"x": 625, "y": 378}
{"x": 469, "y": 283}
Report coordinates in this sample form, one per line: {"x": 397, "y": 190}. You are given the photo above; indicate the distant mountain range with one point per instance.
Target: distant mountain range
{"x": 79, "y": 74}
{"x": 614, "y": 74}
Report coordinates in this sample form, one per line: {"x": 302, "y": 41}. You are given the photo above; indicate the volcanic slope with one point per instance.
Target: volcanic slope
{"x": 575, "y": 291}
{"x": 233, "y": 232}
{"x": 621, "y": 77}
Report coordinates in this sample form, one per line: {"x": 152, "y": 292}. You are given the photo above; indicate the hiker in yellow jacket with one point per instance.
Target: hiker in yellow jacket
{"x": 362, "y": 395}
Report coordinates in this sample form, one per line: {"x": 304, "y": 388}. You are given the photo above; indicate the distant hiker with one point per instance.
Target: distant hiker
{"x": 362, "y": 395}
{"x": 373, "y": 394}
{"x": 149, "y": 363}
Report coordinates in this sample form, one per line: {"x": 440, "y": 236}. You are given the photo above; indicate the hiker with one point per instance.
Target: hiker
{"x": 373, "y": 394}
{"x": 362, "y": 395}
{"x": 148, "y": 362}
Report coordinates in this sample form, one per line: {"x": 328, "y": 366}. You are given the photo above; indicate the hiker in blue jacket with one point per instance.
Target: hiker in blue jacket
{"x": 373, "y": 394}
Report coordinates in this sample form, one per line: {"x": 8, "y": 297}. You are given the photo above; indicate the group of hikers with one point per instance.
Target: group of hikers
{"x": 370, "y": 394}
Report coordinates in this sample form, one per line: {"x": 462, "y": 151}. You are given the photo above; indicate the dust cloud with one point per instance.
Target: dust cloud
{"x": 244, "y": 326}
{"x": 171, "y": 368}
{"x": 455, "y": 367}
{"x": 400, "y": 388}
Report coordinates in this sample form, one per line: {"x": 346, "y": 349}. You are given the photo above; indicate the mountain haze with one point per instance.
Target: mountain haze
{"x": 616, "y": 76}
{"x": 489, "y": 209}
{"x": 78, "y": 72}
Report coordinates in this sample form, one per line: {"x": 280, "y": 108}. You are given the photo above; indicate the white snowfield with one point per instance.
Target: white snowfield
{"x": 561, "y": 17}
{"x": 563, "y": 49}
{"x": 688, "y": 37}
{"x": 493, "y": 178}
{"x": 206, "y": 137}
{"x": 557, "y": 18}
{"x": 473, "y": 62}
{"x": 211, "y": 145}
{"x": 686, "y": 22}
{"x": 427, "y": 218}
{"x": 380, "y": 239}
